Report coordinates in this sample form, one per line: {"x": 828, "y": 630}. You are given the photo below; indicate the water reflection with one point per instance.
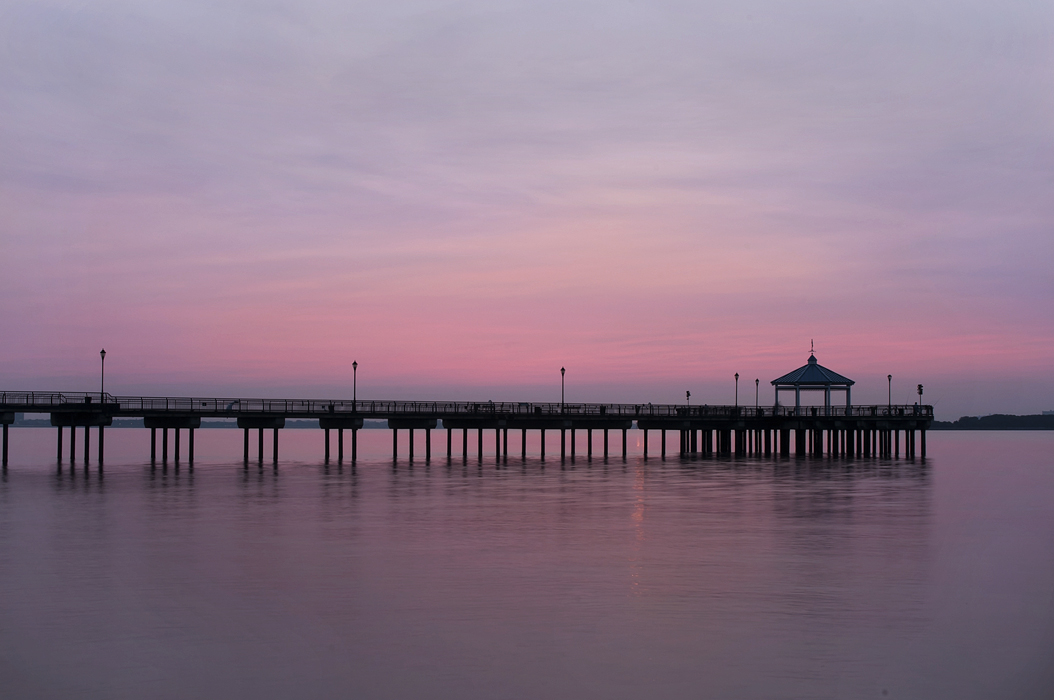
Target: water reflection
{"x": 477, "y": 578}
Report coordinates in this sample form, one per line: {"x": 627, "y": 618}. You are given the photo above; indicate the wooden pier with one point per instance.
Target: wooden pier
{"x": 844, "y": 431}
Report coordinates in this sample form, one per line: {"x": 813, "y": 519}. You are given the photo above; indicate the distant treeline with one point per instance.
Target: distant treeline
{"x": 997, "y": 421}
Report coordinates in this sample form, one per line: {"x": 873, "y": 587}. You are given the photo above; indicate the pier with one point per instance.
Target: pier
{"x": 706, "y": 430}
{"x": 842, "y": 430}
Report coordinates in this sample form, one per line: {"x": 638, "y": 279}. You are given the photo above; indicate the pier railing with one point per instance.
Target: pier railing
{"x": 219, "y": 407}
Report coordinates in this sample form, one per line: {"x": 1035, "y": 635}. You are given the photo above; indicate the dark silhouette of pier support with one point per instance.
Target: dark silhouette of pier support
{"x": 5, "y": 419}
{"x": 340, "y": 423}
{"x": 411, "y": 424}
{"x": 175, "y": 422}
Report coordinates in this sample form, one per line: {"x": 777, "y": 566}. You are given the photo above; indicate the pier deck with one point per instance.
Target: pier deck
{"x": 844, "y": 430}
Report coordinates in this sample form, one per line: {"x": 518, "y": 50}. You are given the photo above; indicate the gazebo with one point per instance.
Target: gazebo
{"x": 813, "y": 377}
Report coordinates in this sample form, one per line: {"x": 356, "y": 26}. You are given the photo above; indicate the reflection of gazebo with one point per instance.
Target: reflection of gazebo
{"x": 813, "y": 377}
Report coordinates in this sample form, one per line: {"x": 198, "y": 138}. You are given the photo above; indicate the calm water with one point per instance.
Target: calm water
{"x": 621, "y": 579}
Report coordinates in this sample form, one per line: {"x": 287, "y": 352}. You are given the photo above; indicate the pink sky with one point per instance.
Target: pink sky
{"x": 465, "y": 197}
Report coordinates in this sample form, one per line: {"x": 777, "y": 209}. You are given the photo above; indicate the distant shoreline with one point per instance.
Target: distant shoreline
{"x": 998, "y": 421}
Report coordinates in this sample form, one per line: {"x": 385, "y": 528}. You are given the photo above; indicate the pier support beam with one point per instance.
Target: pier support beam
{"x": 274, "y": 446}
{"x": 395, "y": 443}
{"x": 190, "y": 446}
{"x": 541, "y": 433}
{"x": 340, "y": 444}
{"x": 645, "y": 443}
{"x": 164, "y": 446}
{"x": 354, "y": 445}
{"x": 175, "y": 450}
{"x": 663, "y": 439}
{"x": 245, "y": 447}
{"x": 922, "y": 439}
{"x": 449, "y": 442}
{"x": 87, "y": 440}
{"x": 60, "y": 446}
{"x": 428, "y": 444}
{"x": 523, "y": 443}
{"x": 623, "y": 443}
{"x": 73, "y": 444}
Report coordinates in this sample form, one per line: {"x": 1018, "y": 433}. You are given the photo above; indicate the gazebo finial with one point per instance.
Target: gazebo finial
{"x": 812, "y": 347}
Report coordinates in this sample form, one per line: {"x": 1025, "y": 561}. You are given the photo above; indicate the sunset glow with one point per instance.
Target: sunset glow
{"x": 465, "y": 197}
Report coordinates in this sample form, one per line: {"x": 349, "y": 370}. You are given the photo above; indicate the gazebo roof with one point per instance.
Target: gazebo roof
{"x": 812, "y": 374}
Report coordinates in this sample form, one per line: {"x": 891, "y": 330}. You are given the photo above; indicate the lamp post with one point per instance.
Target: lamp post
{"x": 889, "y": 379}
{"x": 688, "y": 398}
{"x": 102, "y": 375}
{"x": 354, "y": 385}
{"x": 757, "y": 388}
{"x": 920, "y": 395}
{"x": 737, "y": 389}
{"x": 562, "y": 370}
